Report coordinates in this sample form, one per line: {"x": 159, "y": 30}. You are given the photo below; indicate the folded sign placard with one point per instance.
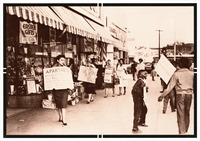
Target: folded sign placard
{"x": 87, "y": 74}
{"x": 165, "y": 69}
{"x": 58, "y": 78}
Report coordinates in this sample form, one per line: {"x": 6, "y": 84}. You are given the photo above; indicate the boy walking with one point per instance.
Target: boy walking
{"x": 140, "y": 108}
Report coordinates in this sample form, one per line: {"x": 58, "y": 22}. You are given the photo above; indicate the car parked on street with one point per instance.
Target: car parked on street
{"x": 148, "y": 67}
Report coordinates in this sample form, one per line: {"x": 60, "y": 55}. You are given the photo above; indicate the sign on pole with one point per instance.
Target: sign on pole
{"x": 108, "y": 76}
{"x": 165, "y": 69}
{"x": 58, "y": 78}
{"x": 87, "y": 74}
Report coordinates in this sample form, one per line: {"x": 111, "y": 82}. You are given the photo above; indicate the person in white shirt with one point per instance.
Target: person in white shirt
{"x": 121, "y": 73}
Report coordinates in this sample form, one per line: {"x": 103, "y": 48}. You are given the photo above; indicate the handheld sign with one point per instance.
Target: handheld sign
{"x": 108, "y": 76}
{"x": 58, "y": 78}
{"x": 87, "y": 74}
{"x": 165, "y": 69}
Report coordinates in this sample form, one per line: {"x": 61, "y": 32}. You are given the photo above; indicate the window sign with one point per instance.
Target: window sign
{"x": 28, "y": 33}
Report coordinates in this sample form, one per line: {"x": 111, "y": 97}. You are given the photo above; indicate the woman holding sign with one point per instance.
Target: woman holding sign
{"x": 90, "y": 87}
{"x": 61, "y": 95}
{"x": 108, "y": 78}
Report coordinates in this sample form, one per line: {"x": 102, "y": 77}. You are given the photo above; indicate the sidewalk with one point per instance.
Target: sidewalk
{"x": 15, "y": 111}
{"x": 104, "y": 116}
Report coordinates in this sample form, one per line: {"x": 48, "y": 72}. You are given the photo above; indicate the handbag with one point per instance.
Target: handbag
{"x": 116, "y": 80}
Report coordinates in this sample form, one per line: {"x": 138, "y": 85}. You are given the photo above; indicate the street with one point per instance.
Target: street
{"x": 111, "y": 115}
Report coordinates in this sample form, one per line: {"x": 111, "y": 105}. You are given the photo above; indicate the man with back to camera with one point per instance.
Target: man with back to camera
{"x": 183, "y": 81}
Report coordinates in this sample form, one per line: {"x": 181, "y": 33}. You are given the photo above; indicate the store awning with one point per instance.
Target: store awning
{"x": 39, "y": 14}
{"x": 76, "y": 24}
{"x": 105, "y": 35}
{"x": 118, "y": 44}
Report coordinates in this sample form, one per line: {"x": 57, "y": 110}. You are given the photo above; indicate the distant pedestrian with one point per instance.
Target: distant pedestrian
{"x": 122, "y": 73}
{"x": 140, "y": 65}
{"x": 140, "y": 108}
{"x": 61, "y": 96}
{"x": 183, "y": 82}
{"x": 153, "y": 72}
{"x": 133, "y": 69}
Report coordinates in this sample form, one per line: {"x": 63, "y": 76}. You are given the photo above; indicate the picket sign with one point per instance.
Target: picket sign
{"x": 108, "y": 76}
{"x": 165, "y": 69}
{"x": 58, "y": 78}
{"x": 87, "y": 74}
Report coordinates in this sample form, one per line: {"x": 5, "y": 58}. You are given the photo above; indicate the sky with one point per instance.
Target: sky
{"x": 176, "y": 23}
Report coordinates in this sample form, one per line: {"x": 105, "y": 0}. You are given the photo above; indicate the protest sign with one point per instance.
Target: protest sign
{"x": 58, "y": 78}
{"x": 165, "y": 69}
{"x": 87, "y": 74}
{"x": 108, "y": 76}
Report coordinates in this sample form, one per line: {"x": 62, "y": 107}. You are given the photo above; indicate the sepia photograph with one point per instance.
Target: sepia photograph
{"x": 99, "y": 70}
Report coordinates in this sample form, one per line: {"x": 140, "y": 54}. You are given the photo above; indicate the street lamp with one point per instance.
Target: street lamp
{"x": 159, "y": 42}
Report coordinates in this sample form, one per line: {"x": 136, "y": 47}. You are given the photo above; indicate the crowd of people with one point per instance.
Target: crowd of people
{"x": 178, "y": 91}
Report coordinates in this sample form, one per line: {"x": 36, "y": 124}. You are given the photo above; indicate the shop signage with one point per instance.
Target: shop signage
{"x": 58, "y": 78}
{"x": 52, "y": 35}
{"x": 88, "y": 45}
{"x": 52, "y": 44}
{"x": 68, "y": 55}
{"x": 87, "y": 74}
{"x": 28, "y": 33}
{"x": 108, "y": 76}
{"x": 31, "y": 86}
{"x": 165, "y": 69}
{"x": 110, "y": 48}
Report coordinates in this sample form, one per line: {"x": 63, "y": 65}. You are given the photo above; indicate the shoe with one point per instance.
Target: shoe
{"x": 161, "y": 91}
{"x": 113, "y": 95}
{"x": 173, "y": 110}
{"x": 105, "y": 96}
{"x": 124, "y": 94}
{"x": 119, "y": 94}
{"x": 64, "y": 123}
{"x": 92, "y": 100}
{"x": 60, "y": 120}
{"x": 88, "y": 102}
{"x": 136, "y": 130}
{"x": 143, "y": 124}
{"x": 164, "y": 112}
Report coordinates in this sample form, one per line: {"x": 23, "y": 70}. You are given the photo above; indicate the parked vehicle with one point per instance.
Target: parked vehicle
{"x": 148, "y": 67}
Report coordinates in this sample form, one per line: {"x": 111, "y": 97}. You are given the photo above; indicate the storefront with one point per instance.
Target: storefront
{"x": 32, "y": 42}
{"x": 34, "y": 37}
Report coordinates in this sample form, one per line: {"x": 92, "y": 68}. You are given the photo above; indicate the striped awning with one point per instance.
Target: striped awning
{"x": 75, "y": 23}
{"x": 39, "y": 14}
{"x": 102, "y": 31}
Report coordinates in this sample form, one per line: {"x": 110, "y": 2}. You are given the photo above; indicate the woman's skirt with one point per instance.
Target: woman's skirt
{"x": 90, "y": 88}
{"x": 61, "y": 98}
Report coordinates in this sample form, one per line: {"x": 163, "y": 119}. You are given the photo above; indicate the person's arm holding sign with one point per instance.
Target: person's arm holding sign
{"x": 169, "y": 88}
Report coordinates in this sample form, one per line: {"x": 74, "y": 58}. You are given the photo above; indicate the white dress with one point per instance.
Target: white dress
{"x": 122, "y": 76}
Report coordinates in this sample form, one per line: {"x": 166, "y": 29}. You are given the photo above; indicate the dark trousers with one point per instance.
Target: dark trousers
{"x": 137, "y": 111}
{"x": 133, "y": 73}
{"x": 183, "y": 102}
{"x": 143, "y": 114}
{"x": 170, "y": 97}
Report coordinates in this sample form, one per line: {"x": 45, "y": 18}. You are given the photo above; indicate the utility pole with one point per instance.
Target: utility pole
{"x": 159, "y": 42}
